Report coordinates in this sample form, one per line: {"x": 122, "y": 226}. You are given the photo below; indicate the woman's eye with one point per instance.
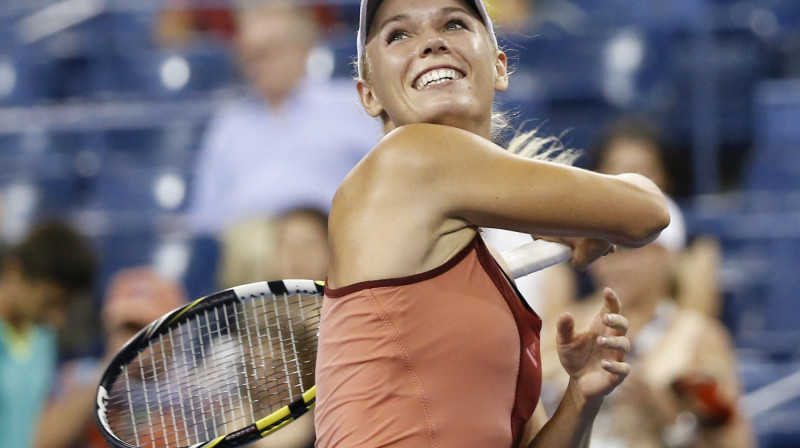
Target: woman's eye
{"x": 395, "y": 35}
{"x": 455, "y": 25}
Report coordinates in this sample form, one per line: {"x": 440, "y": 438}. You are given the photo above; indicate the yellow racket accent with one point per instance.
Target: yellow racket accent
{"x": 214, "y": 442}
{"x": 283, "y": 416}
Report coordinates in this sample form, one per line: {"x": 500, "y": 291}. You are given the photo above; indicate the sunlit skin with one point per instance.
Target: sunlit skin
{"x": 408, "y": 39}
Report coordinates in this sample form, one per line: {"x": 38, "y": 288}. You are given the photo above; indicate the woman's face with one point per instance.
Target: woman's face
{"x": 431, "y": 61}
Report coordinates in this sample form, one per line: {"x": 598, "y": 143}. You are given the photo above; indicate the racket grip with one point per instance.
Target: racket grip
{"x": 535, "y": 256}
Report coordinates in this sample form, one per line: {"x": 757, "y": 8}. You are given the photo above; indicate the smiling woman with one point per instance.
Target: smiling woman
{"x": 456, "y": 74}
{"x": 424, "y": 340}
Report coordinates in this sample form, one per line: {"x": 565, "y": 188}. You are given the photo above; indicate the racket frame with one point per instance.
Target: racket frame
{"x": 140, "y": 342}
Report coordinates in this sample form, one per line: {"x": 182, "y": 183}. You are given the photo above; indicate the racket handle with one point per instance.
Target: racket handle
{"x": 535, "y": 256}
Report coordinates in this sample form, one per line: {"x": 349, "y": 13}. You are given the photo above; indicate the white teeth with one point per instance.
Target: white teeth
{"x": 438, "y": 76}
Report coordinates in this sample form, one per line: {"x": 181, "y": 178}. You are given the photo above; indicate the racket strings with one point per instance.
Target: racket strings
{"x": 219, "y": 371}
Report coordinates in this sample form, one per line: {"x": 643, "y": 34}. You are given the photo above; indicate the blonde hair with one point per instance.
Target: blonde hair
{"x": 532, "y": 144}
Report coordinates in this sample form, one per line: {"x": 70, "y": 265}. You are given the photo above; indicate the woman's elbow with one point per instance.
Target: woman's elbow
{"x": 656, "y": 219}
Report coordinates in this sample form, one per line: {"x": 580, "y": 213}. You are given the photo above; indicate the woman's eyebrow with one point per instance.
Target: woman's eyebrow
{"x": 451, "y": 9}
{"x": 396, "y": 18}
{"x": 442, "y": 12}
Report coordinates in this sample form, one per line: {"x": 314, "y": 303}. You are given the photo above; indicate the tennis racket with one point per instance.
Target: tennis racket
{"x": 233, "y": 367}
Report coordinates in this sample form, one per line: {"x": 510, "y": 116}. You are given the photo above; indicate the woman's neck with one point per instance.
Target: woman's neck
{"x": 483, "y": 128}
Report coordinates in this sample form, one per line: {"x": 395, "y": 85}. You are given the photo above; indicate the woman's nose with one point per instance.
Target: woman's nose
{"x": 435, "y": 45}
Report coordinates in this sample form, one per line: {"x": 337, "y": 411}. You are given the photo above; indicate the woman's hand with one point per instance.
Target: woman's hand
{"x": 584, "y": 250}
{"x": 595, "y": 358}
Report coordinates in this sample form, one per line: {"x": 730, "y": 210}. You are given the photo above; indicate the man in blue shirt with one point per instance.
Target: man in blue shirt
{"x": 291, "y": 141}
{"x": 38, "y": 278}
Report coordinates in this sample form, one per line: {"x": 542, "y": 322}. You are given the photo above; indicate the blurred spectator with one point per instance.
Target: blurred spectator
{"x": 292, "y": 245}
{"x": 39, "y": 277}
{"x": 292, "y": 140}
{"x": 135, "y": 297}
{"x": 302, "y": 244}
{"x": 629, "y": 145}
{"x": 247, "y": 250}
{"x": 184, "y": 21}
{"x": 634, "y": 146}
{"x": 683, "y": 387}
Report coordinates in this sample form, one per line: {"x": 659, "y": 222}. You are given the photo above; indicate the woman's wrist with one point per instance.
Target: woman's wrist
{"x": 585, "y": 406}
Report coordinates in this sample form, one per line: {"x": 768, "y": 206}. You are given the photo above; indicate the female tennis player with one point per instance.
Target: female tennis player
{"x": 424, "y": 341}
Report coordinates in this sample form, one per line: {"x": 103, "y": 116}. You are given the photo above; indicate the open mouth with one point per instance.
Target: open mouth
{"x": 437, "y": 76}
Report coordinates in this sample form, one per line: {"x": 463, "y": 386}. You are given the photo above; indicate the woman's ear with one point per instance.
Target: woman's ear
{"x": 501, "y": 72}
{"x": 368, "y": 99}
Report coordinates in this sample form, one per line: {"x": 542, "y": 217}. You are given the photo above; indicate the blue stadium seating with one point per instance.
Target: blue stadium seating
{"x": 142, "y": 193}
{"x": 166, "y": 74}
{"x": 344, "y": 53}
{"x": 761, "y": 245}
{"x": 120, "y": 249}
{"x": 201, "y": 274}
{"x": 775, "y": 165}
{"x": 171, "y": 146}
{"x": 24, "y": 74}
{"x": 775, "y": 416}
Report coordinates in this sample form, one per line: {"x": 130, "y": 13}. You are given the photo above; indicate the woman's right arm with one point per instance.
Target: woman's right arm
{"x": 464, "y": 176}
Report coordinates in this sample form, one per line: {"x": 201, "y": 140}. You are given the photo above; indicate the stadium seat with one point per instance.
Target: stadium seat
{"x": 141, "y": 193}
{"x": 170, "y": 146}
{"x": 167, "y": 74}
{"x": 775, "y": 165}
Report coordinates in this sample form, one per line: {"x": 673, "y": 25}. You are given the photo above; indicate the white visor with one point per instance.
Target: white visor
{"x": 674, "y": 236}
{"x": 369, "y": 8}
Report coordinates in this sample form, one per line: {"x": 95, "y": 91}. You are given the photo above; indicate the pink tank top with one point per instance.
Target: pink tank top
{"x": 445, "y": 358}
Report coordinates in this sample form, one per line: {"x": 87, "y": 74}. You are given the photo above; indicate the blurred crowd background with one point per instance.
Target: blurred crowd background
{"x": 203, "y": 143}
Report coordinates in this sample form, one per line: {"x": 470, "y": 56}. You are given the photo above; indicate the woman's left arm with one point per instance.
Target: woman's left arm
{"x": 595, "y": 362}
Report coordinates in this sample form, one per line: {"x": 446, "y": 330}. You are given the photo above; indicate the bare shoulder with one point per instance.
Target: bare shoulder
{"x": 428, "y": 145}
{"x": 387, "y": 218}
{"x": 413, "y": 155}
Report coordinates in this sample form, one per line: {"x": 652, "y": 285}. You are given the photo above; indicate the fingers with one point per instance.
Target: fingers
{"x": 613, "y": 304}
{"x": 587, "y": 250}
{"x": 619, "y": 343}
{"x": 565, "y": 329}
{"x": 617, "y": 322}
{"x": 622, "y": 369}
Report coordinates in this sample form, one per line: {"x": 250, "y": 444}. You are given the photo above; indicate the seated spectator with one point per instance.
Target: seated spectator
{"x": 291, "y": 141}
{"x": 634, "y": 146}
{"x": 135, "y": 297}
{"x": 292, "y": 245}
{"x": 52, "y": 266}
{"x": 683, "y": 387}
{"x": 630, "y": 145}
